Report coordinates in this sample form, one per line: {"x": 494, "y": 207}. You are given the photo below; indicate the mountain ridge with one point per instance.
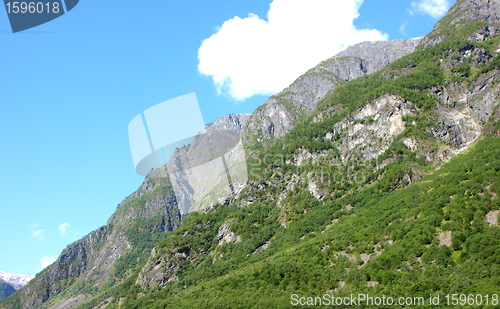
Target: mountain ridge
{"x": 281, "y": 111}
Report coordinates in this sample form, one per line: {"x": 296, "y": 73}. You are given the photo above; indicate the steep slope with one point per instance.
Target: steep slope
{"x": 436, "y": 236}
{"x": 279, "y": 113}
{"x": 109, "y": 254}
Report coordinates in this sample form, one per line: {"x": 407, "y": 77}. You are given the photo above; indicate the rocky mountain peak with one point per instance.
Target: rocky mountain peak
{"x": 231, "y": 122}
{"x": 476, "y": 10}
{"x": 462, "y": 13}
{"x": 279, "y": 113}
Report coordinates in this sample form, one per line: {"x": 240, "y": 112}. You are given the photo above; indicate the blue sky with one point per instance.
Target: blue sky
{"x": 69, "y": 88}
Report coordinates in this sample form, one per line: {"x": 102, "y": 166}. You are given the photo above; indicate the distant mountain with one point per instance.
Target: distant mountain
{"x": 231, "y": 122}
{"x": 6, "y": 289}
{"x": 9, "y": 283}
{"x": 15, "y": 280}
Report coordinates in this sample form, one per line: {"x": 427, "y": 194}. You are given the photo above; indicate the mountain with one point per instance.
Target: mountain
{"x": 479, "y": 20}
{"x": 6, "y": 289}
{"x": 281, "y": 112}
{"x": 16, "y": 280}
{"x": 384, "y": 185}
{"x": 231, "y": 122}
{"x": 109, "y": 254}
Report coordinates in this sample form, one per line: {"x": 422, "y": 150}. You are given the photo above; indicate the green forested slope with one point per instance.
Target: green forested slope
{"x": 399, "y": 231}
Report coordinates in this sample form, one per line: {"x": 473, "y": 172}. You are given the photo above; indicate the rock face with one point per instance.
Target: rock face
{"x": 445, "y": 239}
{"x": 162, "y": 271}
{"x": 365, "y": 134}
{"x": 477, "y": 10}
{"x": 458, "y": 128}
{"x": 372, "y": 129}
{"x": 210, "y": 170}
{"x": 231, "y": 122}
{"x": 492, "y": 218}
{"x": 463, "y": 11}
{"x": 165, "y": 263}
{"x": 226, "y": 236}
{"x": 374, "y": 56}
{"x": 279, "y": 113}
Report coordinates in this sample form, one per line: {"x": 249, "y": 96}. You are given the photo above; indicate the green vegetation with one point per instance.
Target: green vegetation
{"x": 142, "y": 235}
{"x": 13, "y": 300}
{"x": 399, "y": 230}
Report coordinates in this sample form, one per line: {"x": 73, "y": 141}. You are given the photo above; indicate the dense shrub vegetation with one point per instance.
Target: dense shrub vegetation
{"x": 312, "y": 255}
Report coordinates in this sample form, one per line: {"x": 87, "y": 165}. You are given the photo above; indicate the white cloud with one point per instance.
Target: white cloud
{"x": 63, "y": 229}
{"x": 47, "y": 260}
{"x": 249, "y": 56}
{"x": 434, "y": 8}
{"x": 38, "y": 234}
